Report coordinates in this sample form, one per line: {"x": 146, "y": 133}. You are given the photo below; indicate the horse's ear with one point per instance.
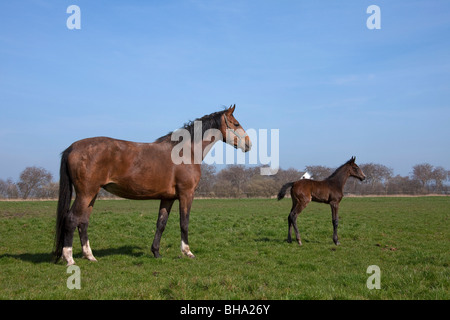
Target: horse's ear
{"x": 231, "y": 109}
{"x": 353, "y": 159}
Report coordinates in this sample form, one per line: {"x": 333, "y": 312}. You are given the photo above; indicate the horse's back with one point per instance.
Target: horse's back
{"x": 103, "y": 153}
{"x": 127, "y": 169}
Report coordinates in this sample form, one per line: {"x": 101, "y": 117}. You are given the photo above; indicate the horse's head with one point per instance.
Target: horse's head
{"x": 233, "y": 133}
{"x": 354, "y": 170}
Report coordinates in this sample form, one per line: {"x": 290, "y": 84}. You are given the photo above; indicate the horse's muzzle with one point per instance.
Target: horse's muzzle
{"x": 248, "y": 146}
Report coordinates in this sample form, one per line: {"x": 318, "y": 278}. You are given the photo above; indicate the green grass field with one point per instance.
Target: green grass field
{"x": 240, "y": 249}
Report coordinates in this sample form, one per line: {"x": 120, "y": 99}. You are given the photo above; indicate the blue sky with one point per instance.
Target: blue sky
{"x": 312, "y": 69}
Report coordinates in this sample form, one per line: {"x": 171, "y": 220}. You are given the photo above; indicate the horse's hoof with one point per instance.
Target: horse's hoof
{"x": 90, "y": 258}
{"x": 337, "y": 243}
{"x": 189, "y": 254}
{"x": 70, "y": 263}
{"x": 156, "y": 253}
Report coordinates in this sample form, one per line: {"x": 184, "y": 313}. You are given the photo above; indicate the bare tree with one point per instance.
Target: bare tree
{"x": 439, "y": 175}
{"x": 48, "y": 191}
{"x": 377, "y": 176}
{"x": 225, "y": 189}
{"x": 8, "y": 189}
{"x": 3, "y": 188}
{"x": 289, "y": 175}
{"x": 423, "y": 173}
{"x": 32, "y": 180}
{"x": 236, "y": 175}
{"x": 261, "y": 186}
{"x": 319, "y": 172}
{"x": 376, "y": 173}
{"x": 402, "y": 185}
{"x": 206, "y": 183}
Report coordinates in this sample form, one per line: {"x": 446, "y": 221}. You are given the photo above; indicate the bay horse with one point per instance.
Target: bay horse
{"x": 328, "y": 191}
{"x": 139, "y": 171}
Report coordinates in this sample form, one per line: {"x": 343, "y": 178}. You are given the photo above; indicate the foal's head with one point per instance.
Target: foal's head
{"x": 354, "y": 170}
{"x": 232, "y": 131}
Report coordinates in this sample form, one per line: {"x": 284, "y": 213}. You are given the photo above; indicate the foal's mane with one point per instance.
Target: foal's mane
{"x": 338, "y": 170}
{"x": 209, "y": 121}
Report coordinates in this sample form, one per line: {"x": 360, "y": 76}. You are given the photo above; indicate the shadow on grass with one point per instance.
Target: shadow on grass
{"x": 47, "y": 257}
{"x": 283, "y": 240}
{"x": 132, "y": 251}
{"x": 266, "y": 239}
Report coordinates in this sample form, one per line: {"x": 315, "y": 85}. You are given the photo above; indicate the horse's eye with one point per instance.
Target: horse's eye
{"x": 237, "y": 124}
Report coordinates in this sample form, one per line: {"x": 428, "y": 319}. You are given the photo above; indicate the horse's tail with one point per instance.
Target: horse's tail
{"x": 65, "y": 196}
{"x": 283, "y": 190}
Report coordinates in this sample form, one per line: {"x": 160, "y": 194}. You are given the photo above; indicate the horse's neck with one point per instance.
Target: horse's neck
{"x": 200, "y": 150}
{"x": 207, "y": 144}
{"x": 340, "y": 178}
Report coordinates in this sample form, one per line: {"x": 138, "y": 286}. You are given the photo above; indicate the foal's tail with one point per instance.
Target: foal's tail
{"x": 283, "y": 190}
{"x": 65, "y": 196}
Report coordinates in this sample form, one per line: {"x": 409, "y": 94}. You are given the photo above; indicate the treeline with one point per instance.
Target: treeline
{"x": 238, "y": 181}
{"x": 34, "y": 183}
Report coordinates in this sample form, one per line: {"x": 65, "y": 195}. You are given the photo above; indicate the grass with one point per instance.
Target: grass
{"x": 240, "y": 251}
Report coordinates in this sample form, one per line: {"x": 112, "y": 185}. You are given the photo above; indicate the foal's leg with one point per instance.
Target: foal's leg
{"x": 292, "y": 220}
{"x": 335, "y": 220}
{"x": 163, "y": 216}
{"x": 185, "y": 208}
{"x": 293, "y": 215}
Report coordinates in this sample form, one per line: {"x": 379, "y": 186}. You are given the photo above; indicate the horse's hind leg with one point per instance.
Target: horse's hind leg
{"x": 78, "y": 217}
{"x": 87, "y": 251}
{"x": 82, "y": 231}
{"x": 70, "y": 223}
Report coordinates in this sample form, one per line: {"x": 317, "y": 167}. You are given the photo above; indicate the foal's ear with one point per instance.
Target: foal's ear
{"x": 231, "y": 109}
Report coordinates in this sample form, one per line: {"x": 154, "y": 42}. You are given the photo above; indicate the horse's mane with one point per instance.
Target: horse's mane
{"x": 338, "y": 170}
{"x": 209, "y": 121}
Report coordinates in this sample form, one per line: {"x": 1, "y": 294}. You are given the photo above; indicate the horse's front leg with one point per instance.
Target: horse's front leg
{"x": 335, "y": 220}
{"x": 163, "y": 216}
{"x": 185, "y": 208}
